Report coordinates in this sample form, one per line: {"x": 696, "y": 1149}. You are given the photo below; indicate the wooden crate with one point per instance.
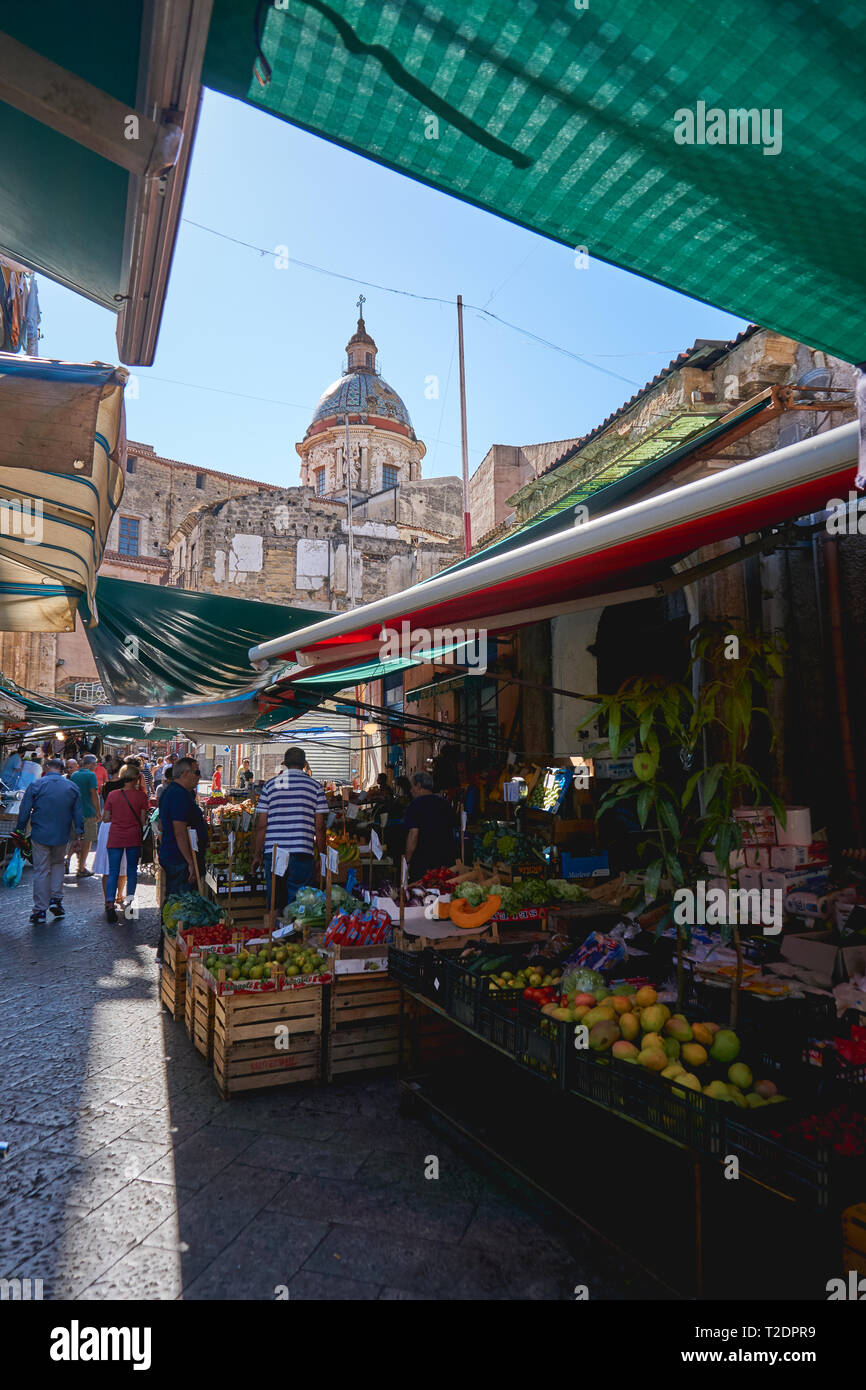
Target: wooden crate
{"x": 245, "y": 1052}
{"x": 199, "y": 1010}
{"x": 172, "y": 992}
{"x": 364, "y": 1029}
{"x": 245, "y": 907}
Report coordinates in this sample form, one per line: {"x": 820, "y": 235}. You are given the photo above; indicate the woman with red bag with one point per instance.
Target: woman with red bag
{"x": 125, "y": 810}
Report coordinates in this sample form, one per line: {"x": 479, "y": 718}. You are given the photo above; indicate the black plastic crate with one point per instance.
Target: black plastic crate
{"x": 817, "y": 1177}
{"x": 543, "y": 1044}
{"x": 435, "y": 975}
{"x": 406, "y": 967}
{"x": 689, "y": 1117}
{"x": 465, "y": 992}
{"x": 497, "y": 1021}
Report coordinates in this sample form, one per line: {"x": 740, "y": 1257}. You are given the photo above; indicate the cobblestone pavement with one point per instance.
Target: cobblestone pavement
{"x": 128, "y": 1177}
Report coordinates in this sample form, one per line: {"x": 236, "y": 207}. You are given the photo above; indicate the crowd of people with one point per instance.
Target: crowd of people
{"x": 87, "y": 803}
{"x": 77, "y": 804}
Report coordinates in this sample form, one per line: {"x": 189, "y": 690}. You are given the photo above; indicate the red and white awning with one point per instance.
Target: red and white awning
{"x": 618, "y": 551}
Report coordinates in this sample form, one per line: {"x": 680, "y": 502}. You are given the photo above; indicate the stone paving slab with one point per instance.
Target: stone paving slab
{"x": 128, "y": 1176}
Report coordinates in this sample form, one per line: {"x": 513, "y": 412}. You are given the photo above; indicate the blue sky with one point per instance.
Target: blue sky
{"x": 246, "y": 349}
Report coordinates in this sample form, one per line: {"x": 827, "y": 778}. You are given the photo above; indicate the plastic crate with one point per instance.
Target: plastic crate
{"x": 543, "y": 1044}
{"x": 406, "y": 968}
{"x": 817, "y": 1179}
{"x": 464, "y": 994}
{"x": 689, "y": 1117}
{"x": 497, "y": 1021}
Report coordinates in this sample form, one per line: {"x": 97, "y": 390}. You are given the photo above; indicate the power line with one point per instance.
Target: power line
{"x": 427, "y": 298}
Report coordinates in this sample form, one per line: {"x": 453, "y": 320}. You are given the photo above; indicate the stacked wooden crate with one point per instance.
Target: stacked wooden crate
{"x": 364, "y": 1031}
{"x": 199, "y": 1010}
{"x": 172, "y": 978}
{"x": 272, "y": 1038}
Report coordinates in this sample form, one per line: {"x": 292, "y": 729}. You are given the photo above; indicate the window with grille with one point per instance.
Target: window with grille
{"x": 390, "y": 475}
{"x": 199, "y": 480}
{"x": 320, "y": 482}
{"x": 130, "y": 465}
{"x": 127, "y": 542}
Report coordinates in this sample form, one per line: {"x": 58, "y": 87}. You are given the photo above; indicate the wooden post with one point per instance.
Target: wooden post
{"x": 327, "y": 888}
{"x": 273, "y": 892}
{"x": 231, "y": 863}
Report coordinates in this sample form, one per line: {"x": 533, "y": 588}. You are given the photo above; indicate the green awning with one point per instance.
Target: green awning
{"x": 159, "y": 645}
{"x": 562, "y": 119}
{"x": 609, "y": 487}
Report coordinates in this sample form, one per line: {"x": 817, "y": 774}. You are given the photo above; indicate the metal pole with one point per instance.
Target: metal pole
{"x": 350, "y": 585}
{"x": 467, "y": 525}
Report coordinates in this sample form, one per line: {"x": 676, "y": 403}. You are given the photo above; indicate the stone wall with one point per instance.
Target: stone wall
{"x": 293, "y": 548}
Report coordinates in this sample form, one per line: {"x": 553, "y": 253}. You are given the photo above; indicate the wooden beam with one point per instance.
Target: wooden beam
{"x": 74, "y": 108}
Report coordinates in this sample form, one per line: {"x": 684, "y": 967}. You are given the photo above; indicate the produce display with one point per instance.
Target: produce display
{"x": 463, "y": 915}
{"x": 294, "y": 960}
{"x": 230, "y": 813}
{"x": 497, "y": 842}
{"x": 308, "y": 909}
{"x": 347, "y": 849}
{"x": 635, "y": 1028}
{"x": 191, "y": 909}
{"x": 217, "y": 856}
{"x": 523, "y": 892}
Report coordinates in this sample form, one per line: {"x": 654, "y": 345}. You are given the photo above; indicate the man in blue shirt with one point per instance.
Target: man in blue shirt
{"x": 54, "y": 809}
{"x": 177, "y": 812}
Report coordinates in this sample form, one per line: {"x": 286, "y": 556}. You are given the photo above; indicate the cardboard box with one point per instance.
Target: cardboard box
{"x": 786, "y": 879}
{"x": 749, "y": 878}
{"x": 818, "y": 953}
{"x": 789, "y": 856}
{"x": 815, "y": 951}
{"x": 758, "y": 825}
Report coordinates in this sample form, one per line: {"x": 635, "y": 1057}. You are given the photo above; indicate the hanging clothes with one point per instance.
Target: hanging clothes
{"x": 19, "y": 330}
{"x": 32, "y": 317}
{"x": 6, "y": 307}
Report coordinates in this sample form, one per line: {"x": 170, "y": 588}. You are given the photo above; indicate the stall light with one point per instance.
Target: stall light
{"x": 369, "y": 728}
{"x": 61, "y": 737}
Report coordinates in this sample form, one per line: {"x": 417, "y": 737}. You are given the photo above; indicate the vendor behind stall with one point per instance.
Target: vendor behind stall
{"x": 430, "y": 826}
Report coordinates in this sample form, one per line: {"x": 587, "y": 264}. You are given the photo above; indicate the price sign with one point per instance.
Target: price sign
{"x": 512, "y": 759}
{"x": 352, "y": 811}
{"x": 281, "y": 862}
{"x": 231, "y": 842}
{"x": 512, "y": 791}
{"x": 324, "y": 864}
{"x": 333, "y": 860}
{"x": 246, "y": 819}
{"x": 405, "y": 873}
{"x": 332, "y": 816}
{"x": 375, "y": 844}
{"x": 193, "y": 839}
{"x": 383, "y": 819}
{"x": 462, "y": 820}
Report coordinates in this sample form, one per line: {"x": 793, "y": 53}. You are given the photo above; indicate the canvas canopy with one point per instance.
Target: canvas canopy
{"x": 62, "y": 450}
{"x": 715, "y": 151}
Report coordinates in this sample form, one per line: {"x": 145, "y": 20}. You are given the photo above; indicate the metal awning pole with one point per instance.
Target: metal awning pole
{"x": 464, "y": 444}
{"x": 350, "y": 583}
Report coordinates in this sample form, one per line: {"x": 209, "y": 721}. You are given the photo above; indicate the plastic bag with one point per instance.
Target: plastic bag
{"x": 14, "y": 869}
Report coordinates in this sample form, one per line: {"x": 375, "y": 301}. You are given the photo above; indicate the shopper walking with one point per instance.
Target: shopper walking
{"x": 84, "y": 777}
{"x": 290, "y": 815}
{"x": 125, "y": 812}
{"x": 53, "y": 808}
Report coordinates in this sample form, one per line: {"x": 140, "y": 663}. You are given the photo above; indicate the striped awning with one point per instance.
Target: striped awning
{"x": 62, "y": 454}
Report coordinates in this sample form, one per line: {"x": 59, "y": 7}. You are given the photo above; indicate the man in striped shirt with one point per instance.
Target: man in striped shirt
{"x": 290, "y": 816}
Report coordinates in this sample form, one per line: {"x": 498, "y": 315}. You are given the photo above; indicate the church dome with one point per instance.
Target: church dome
{"x": 361, "y": 391}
